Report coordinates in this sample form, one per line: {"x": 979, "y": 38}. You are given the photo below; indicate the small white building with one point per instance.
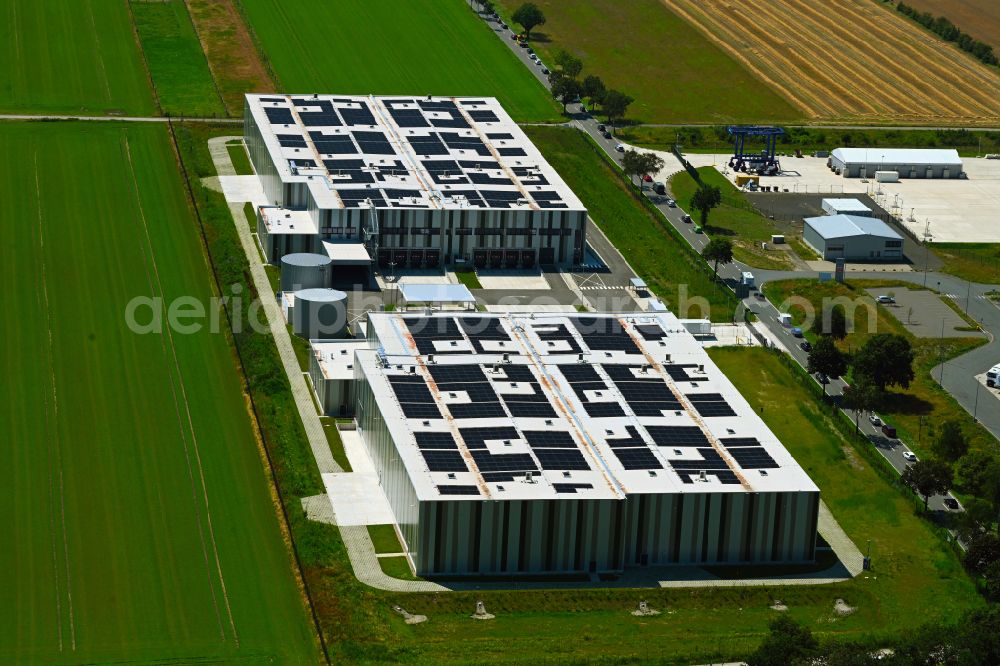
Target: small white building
{"x": 852, "y": 238}
{"x": 846, "y": 207}
{"x": 907, "y": 162}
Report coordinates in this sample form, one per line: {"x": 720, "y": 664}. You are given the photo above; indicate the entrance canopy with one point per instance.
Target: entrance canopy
{"x": 451, "y": 294}
{"x": 347, "y": 254}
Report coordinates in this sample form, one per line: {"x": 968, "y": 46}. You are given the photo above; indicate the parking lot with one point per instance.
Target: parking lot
{"x": 923, "y": 313}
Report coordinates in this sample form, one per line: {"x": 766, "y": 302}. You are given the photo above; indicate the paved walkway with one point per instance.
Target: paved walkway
{"x": 220, "y": 154}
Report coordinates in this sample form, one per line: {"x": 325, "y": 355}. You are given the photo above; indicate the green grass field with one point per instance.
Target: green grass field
{"x": 735, "y": 218}
{"x": 183, "y": 82}
{"x": 643, "y": 49}
{"x": 916, "y": 411}
{"x": 659, "y": 257}
{"x": 915, "y": 577}
{"x": 414, "y": 47}
{"x": 138, "y": 523}
{"x": 979, "y": 262}
{"x": 71, "y": 57}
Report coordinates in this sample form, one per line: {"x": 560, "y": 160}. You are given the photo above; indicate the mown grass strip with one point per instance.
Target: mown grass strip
{"x": 183, "y": 82}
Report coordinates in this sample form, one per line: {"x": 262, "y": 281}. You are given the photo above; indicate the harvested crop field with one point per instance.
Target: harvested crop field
{"x": 850, "y": 60}
{"x": 979, "y": 18}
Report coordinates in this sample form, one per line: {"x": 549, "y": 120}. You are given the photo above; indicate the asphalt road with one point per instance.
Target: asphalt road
{"x": 956, "y": 376}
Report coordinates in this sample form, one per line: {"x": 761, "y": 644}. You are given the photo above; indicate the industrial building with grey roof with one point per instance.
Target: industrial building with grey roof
{"x": 567, "y": 443}
{"x": 416, "y": 182}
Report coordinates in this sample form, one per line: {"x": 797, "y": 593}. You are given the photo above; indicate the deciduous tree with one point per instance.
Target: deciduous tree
{"x": 950, "y": 443}
{"x": 565, "y": 90}
{"x": 593, "y": 88}
{"x": 615, "y": 104}
{"x": 718, "y": 251}
{"x": 886, "y": 359}
{"x": 827, "y": 359}
{"x": 570, "y": 65}
{"x": 704, "y": 199}
{"x": 928, "y": 477}
{"x": 787, "y": 643}
{"x": 528, "y": 16}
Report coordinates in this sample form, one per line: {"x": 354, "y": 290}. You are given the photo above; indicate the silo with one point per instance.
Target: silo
{"x": 319, "y": 313}
{"x": 303, "y": 270}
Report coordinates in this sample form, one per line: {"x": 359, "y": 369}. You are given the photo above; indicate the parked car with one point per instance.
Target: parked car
{"x": 685, "y": 218}
{"x": 606, "y": 134}
{"x": 601, "y": 127}
{"x": 647, "y": 178}
{"x": 671, "y": 203}
{"x": 533, "y": 57}
{"x": 886, "y": 300}
{"x": 890, "y": 432}
{"x": 523, "y": 44}
{"x": 620, "y": 148}
{"x": 805, "y": 346}
{"x": 796, "y": 332}
{"x": 874, "y": 419}
{"x": 545, "y": 70}
{"x": 951, "y": 503}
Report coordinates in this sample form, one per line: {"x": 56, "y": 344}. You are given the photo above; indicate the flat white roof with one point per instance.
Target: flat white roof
{"x": 435, "y": 293}
{"x": 846, "y": 204}
{"x": 567, "y": 406}
{"x": 286, "y": 221}
{"x": 336, "y": 357}
{"x": 407, "y": 152}
{"x": 893, "y": 156}
{"x": 843, "y": 226}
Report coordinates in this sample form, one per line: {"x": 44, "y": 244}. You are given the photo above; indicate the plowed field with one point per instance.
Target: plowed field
{"x": 979, "y": 18}
{"x": 850, "y": 60}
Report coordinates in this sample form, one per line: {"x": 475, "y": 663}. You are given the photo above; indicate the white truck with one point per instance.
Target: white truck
{"x": 993, "y": 376}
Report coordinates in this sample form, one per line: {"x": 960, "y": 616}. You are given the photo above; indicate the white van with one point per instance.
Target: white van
{"x": 991, "y": 376}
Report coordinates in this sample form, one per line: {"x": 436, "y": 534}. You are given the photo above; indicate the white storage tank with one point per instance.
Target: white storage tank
{"x": 304, "y": 270}
{"x": 319, "y": 314}
{"x": 887, "y": 176}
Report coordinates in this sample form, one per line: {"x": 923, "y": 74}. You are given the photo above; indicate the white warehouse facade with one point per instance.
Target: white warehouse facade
{"x": 528, "y": 444}
{"x": 907, "y": 162}
{"x": 852, "y": 238}
{"x": 417, "y": 182}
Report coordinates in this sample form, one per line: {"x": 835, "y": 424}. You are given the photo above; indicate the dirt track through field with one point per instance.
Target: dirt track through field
{"x": 849, "y": 60}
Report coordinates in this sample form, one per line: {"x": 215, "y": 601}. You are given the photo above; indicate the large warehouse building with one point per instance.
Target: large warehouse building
{"x": 852, "y": 238}
{"x": 907, "y": 162}
{"x": 413, "y": 182}
{"x": 571, "y": 443}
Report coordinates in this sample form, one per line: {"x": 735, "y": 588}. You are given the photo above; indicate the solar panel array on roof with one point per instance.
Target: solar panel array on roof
{"x": 511, "y": 152}
{"x": 523, "y": 404}
{"x": 428, "y": 144}
{"x": 680, "y": 372}
{"x": 469, "y": 379}
{"x": 556, "y": 336}
{"x": 291, "y": 140}
{"x": 605, "y": 334}
{"x": 408, "y": 117}
{"x": 444, "y": 461}
{"x": 278, "y": 100}
{"x": 496, "y": 467}
{"x": 650, "y": 331}
{"x": 677, "y": 435}
{"x": 455, "y": 489}
{"x": 414, "y": 398}
{"x": 583, "y": 378}
{"x": 749, "y": 453}
{"x": 646, "y": 395}
{"x": 373, "y": 143}
{"x": 325, "y": 117}
{"x": 435, "y": 440}
{"x": 710, "y": 463}
{"x": 710, "y": 404}
{"x": 358, "y": 116}
{"x": 353, "y": 197}
{"x": 334, "y": 144}
{"x": 484, "y": 116}
{"x": 427, "y": 330}
{"x": 279, "y": 115}
{"x": 479, "y": 329}
{"x": 459, "y": 142}
{"x": 632, "y": 451}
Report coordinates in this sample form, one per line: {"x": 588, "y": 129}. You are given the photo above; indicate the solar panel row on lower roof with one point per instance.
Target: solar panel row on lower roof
{"x": 291, "y": 140}
{"x": 682, "y": 372}
{"x": 550, "y": 439}
{"x": 320, "y": 118}
{"x": 561, "y": 459}
{"x": 408, "y": 117}
{"x": 557, "y": 332}
{"x": 605, "y": 334}
{"x": 564, "y": 488}
{"x": 420, "y": 410}
{"x": 753, "y": 457}
{"x": 455, "y": 489}
{"x": 444, "y": 461}
{"x": 435, "y": 440}
{"x": 355, "y": 117}
{"x": 279, "y": 116}
{"x": 484, "y": 116}
{"x": 477, "y": 410}
{"x": 677, "y": 435}
{"x": 632, "y": 451}
{"x": 504, "y": 462}
{"x": 475, "y": 438}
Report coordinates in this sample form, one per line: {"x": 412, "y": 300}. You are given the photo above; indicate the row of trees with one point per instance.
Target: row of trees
{"x": 567, "y": 87}
{"x": 972, "y": 640}
{"x": 886, "y": 360}
{"x": 950, "y": 32}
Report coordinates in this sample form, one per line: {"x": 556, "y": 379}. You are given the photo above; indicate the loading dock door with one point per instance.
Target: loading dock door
{"x": 479, "y": 258}
{"x": 496, "y": 258}
{"x": 528, "y": 258}
{"x": 547, "y": 256}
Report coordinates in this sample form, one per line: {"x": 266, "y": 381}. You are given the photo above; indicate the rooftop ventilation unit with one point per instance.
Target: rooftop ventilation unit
{"x": 430, "y": 358}
{"x": 529, "y": 477}
{"x": 506, "y": 358}
{"x": 580, "y": 358}
{"x": 667, "y": 359}
{"x": 702, "y": 476}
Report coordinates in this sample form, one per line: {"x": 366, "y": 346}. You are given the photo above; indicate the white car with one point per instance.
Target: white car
{"x": 875, "y": 420}
{"x": 620, "y": 148}
{"x": 886, "y": 299}
{"x": 909, "y": 456}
